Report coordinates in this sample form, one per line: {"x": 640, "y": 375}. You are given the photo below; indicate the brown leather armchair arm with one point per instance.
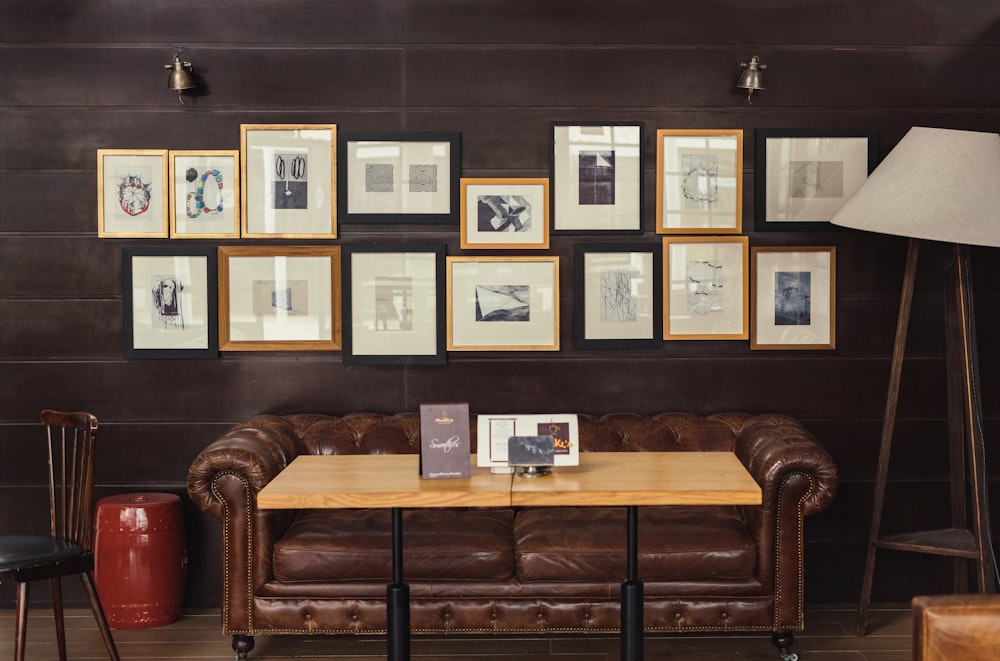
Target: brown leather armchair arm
{"x": 797, "y": 478}
{"x": 223, "y": 481}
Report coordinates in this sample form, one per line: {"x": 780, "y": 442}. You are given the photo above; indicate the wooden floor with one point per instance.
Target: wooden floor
{"x": 829, "y": 636}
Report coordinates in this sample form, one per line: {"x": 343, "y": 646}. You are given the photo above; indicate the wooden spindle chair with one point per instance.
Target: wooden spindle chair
{"x": 68, "y": 549}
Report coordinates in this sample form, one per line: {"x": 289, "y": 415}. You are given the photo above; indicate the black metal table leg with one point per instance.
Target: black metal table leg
{"x": 631, "y": 611}
{"x": 398, "y": 597}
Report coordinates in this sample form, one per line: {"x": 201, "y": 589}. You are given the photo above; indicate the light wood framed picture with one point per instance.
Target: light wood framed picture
{"x": 399, "y": 177}
{"x": 394, "y": 304}
{"x": 804, "y": 177}
{"x": 699, "y": 181}
{"x": 132, "y": 193}
{"x": 205, "y": 194}
{"x": 505, "y": 213}
{"x": 274, "y": 298}
{"x": 794, "y": 297}
{"x": 706, "y": 288}
{"x": 597, "y": 182}
{"x": 288, "y": 180}
{"x": 619, "y": 295}
{"x": 169, "y": 302}
{"x": 503, "y": 303}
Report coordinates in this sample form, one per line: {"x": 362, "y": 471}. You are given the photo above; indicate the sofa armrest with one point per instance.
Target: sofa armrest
{"x": 224, "y": 480}
{"x": 797, "y": 478}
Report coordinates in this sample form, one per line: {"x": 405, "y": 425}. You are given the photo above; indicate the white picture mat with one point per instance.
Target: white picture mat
{"x": 152, "y": 168}
{"x": 541, "y": 330}
{"x": 784, "y": 204}
{"x": 535, "y": 196}
{"x": 262, "y": 145}
{"x": 366, "y": 270}
{"x": 625, "y": 213}
{"x": 729, "y": 318}
{"x": 245, "y": 325}
{"x": 184, "y": 202}
{"x": 597, "y": 326}
{"x": 401, "y": 155}
{"x": 718, "y": 214}
{"x": 192, "y": 302}
{"x": 493, "y": 431}
{"x": 819, "y": 265}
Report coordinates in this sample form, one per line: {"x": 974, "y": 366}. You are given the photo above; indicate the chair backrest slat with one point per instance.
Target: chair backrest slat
{"x": 71, "y": 475}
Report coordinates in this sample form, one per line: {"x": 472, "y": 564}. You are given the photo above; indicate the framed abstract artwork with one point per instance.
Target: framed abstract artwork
{"x": 399, "y": 177}
{"x": 794, "y": 298}
{"x": 619, "y": 299}
{"x": 204, "y": 194}
{"x": 706, "y": 288}
{"x": 394, "y": 304}
{"x": 505, "y": 213}
{"x": 132, "y": 193}
{"x": 699, "y": 181}
{"x": 288, "y": 180}
{"x": 503, "y": 303}
{"x": 169, "y": 302}
{"x": 597, "y": 183}
{"x": 274, "y": 298}
{"x": 804, "y": 177}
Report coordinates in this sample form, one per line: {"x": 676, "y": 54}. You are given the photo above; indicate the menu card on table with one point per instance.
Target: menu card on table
{"x": 445, "y": 441}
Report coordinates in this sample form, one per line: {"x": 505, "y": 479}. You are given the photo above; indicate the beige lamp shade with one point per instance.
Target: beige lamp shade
{"x": 936, "y": 184}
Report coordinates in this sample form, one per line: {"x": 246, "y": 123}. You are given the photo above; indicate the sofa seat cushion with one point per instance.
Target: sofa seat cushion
{"x": 332, "y": 545}
{"x": 675, "y": 543}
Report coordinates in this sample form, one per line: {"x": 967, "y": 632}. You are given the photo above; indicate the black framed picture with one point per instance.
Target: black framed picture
{"x": 170, "y": 302}
{"x": 805, "y": 176}
{"x": 394, "y": 304}
{"x": 597, "y": 177}
{"x": 619, "y": 295}
{"x": 398, "y": 177}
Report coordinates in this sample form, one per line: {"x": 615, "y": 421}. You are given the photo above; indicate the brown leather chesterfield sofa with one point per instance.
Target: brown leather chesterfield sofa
{"x": 532, "y": 570}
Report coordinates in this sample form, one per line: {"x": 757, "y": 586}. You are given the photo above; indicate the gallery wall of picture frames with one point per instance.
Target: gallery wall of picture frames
{"x": 398, "y": 303}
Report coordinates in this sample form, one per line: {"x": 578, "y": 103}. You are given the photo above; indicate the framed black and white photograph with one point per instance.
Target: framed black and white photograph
{"x": 794, "y": 297}
{"x": 205, "y": 194}
{"x": 169, "y": 302}
{"x": 804, "y": 177}
{"x": 618, "y": 296}
{"x": 288, "y": 180}
{"x": 505, "y": 213}
{"x": 133, "y": 199}
{"x": 597, "y": 183}
{"x": 706, "y": 288}
{"x": 394, "y": 304}
{"x": 503, "y": 303}
{"x": 699, "y": 181}
{"x": 399, "y": 177}
{"x": 279, "y": 298}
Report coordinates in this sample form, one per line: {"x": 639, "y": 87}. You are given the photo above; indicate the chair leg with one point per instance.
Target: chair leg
{"x": 102, "y": 621}
{"x": 21, "y": 631}
{"x": 57, "y": 614}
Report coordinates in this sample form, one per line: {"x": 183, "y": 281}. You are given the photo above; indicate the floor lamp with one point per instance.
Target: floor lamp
{"x": 938, "y": 185}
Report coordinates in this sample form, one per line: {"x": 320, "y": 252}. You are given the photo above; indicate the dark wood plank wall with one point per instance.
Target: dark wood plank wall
{"x": 75, "y": 77}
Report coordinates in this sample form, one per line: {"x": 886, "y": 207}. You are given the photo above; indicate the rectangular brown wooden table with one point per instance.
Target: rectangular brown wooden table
{"x": 629, "y": 479}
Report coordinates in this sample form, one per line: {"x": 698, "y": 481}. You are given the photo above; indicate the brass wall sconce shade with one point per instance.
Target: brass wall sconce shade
{"x": 751, "y": 79}
{"x": 180, "y": 78}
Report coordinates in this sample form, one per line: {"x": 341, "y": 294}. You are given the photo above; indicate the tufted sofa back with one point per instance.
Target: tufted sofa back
{"x": 375, "y": 433}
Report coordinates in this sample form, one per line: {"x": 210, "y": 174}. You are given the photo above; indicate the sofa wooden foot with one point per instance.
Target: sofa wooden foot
{"x": 242, "y": 646}
{"x": 783, "y": 641}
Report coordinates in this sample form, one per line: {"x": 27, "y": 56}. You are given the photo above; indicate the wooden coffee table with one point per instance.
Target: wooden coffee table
{"x": 629, "y": 479}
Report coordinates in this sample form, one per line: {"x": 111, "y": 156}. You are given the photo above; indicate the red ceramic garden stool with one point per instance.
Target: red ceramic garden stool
{"x": 140, "y": 560}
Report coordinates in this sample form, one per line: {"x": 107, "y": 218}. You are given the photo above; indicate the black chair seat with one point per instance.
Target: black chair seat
{"x": 23, "y": 551}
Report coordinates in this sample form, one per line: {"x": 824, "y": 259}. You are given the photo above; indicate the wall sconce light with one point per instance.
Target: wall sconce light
{"x": 751, "y": 79}
{"x": 180, "y": 78}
